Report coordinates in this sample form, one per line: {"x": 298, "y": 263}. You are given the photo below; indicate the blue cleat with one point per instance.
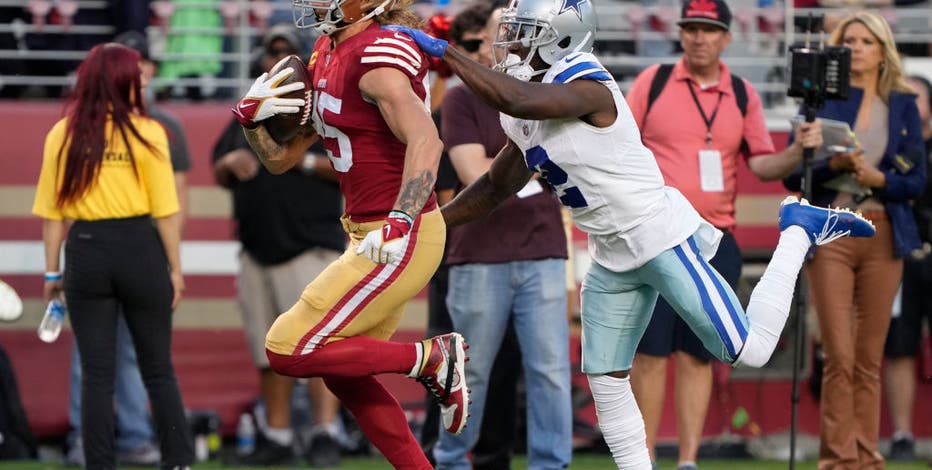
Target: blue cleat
{"x": 823, "y": 225}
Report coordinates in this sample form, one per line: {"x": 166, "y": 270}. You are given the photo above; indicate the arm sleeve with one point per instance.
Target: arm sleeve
{"x": 47, "y": 189}
{"x": 157, "y": 175}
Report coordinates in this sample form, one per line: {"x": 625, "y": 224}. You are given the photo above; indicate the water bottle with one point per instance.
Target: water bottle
{"x": 201, "y": 451}
{"x": 245, "y": 435}
{"x": 51, "y": 323}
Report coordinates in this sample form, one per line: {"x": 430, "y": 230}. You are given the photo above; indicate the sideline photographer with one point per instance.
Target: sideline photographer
{"x": 888, "y": 159}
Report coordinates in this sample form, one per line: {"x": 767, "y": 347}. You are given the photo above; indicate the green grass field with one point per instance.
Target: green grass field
{"x": 580, "y": 462}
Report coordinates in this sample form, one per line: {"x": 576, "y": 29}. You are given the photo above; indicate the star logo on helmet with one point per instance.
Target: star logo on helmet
{"x": 573, "y": 5}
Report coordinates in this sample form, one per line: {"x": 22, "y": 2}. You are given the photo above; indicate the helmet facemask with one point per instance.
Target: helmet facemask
{"x": 336, "y": 14}
{"x": 548, "y": 29}
{"x": 515, "y": 35}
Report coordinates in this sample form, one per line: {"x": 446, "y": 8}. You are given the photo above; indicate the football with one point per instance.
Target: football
{"x": 283, "y": 127}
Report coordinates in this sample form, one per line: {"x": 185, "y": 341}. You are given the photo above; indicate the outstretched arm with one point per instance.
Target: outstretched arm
{"x": 524, "y": 100}
{"x": 530, "y": 100}
{"x": 507, "y": 176}
{"x": 776, "y": 166}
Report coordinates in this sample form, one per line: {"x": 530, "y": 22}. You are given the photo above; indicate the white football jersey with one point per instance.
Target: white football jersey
{"x": 608, "y": 178}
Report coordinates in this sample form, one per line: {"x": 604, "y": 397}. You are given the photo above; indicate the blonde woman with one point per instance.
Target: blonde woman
{"x": 854, "y": 281}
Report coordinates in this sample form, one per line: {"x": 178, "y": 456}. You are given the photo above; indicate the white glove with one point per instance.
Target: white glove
{"x": 388, "y": 244}
{"x": 262, "y": 100}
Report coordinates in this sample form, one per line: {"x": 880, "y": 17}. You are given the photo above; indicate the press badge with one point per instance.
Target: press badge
{"x": 710, "y": 170}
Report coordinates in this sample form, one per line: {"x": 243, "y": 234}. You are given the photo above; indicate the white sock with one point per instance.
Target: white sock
{"x": 772, "y": 297}
{"x": 280, "y": 436}
{"x": 419, "y": 349}
{"x": 621, "y": 422}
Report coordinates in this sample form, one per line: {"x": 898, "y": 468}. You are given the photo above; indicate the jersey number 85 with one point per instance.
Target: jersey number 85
{"x": 325, "y": 102}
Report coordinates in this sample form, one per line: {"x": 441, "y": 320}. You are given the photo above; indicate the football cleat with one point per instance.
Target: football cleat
{"x": 443, "y": 374}
{"x": 823, "y": 225}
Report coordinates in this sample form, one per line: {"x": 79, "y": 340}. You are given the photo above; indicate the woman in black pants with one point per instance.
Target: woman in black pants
{"x": 106, "y": 167}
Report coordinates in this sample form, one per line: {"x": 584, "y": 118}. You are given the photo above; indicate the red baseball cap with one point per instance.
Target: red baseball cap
{"x": 714, "y": 12}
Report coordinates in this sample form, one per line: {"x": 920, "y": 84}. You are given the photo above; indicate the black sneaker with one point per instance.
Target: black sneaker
{"x": 902, "y": 450}
{"x": 267, "y": 453}
{"x": 324, "y": 451}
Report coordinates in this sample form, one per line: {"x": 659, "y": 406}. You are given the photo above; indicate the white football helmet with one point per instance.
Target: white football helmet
{"x": 550, "y": 28}
{"x": 327, "y": 16}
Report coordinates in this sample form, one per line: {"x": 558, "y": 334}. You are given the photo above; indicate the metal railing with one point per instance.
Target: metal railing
{"x": 761, "y": 53}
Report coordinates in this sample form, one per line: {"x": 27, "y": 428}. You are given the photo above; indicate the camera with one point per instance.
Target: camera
{"x": 817, "y": 73}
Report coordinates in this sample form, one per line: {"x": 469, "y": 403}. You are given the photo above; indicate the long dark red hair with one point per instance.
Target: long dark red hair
{"x": 108, "y": 86}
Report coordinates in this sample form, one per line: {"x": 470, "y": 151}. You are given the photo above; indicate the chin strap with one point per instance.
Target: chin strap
{"x": 385, "y": 6}
{"x": 327, "y": 28}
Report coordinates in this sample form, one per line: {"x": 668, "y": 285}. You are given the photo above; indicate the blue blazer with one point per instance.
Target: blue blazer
{"x": 903, "y": 163}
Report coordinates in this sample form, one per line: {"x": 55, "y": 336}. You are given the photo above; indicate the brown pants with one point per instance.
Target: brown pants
{"x": 853, "y": 282}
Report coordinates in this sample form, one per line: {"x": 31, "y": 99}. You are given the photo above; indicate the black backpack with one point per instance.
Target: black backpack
{"x": 663, "y": 75}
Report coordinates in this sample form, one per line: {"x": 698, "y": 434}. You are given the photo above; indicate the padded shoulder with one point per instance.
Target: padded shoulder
{"x": 385, "y": 48}
{"x": 576, "y": 66}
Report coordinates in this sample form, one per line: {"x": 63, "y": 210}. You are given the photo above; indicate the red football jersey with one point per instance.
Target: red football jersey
{"x": 367, "y": 156}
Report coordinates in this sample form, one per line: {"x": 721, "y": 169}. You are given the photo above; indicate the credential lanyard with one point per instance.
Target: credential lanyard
{"x": 708, "y": 120}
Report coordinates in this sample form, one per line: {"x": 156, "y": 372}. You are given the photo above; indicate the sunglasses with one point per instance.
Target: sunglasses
{"x": 470, "y": 45}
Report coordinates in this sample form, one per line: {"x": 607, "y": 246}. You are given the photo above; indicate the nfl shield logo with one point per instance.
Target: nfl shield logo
{"x": 526, "y": 130}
